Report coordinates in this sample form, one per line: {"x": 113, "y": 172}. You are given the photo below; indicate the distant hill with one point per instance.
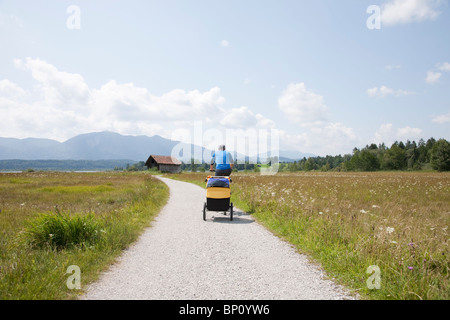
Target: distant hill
{"x": 105, "y": 146}
{"x": 90, "y": 146}
{"x": 288, "y": 156}
{"x": 110, "y": 145}
{"x": 30, "y": 149}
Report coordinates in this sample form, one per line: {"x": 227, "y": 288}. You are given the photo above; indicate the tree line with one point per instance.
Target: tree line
{"x": 422, "y": 155}
{"x": 61, "y": 165}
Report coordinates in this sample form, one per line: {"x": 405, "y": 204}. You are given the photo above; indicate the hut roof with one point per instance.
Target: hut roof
{"x": 165, "y": 160}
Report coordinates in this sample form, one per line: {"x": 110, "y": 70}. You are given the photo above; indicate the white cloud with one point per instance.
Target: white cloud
{"x": 62, "y": 105}
{"x": 445, "y": 66}
{"x": 384, "y": 134}
{"x": 443, "y": 118}
{"x": 263, "y": 122}
{"x": 243, "y": 117}
{"x": 408, "y": 133}
{"x": 239, "y": 118}
{"x": 392, "y": 67}
{"x": 334, "y": 137}
{"x": 224, "y": 43}
{"x": 321, "y": 136}
{"x": 432, "y": 77}
{"x": 10, "y": 89}
{"x": 10, "y": 21}
{"x": 131, "y": 103}
{"x": 58, "y": 88}
{"x": 334, "y": 131}
{"x": 330, "y": 138}
{"x": 57, "y": 106}
{"x": 125, "y": 108}
{"x": 290, "y": 141}
{"x": 387, "y": 134}
{"x": 407, "y": 11}
{"x": 120, "y": 107}
{"x": 384, "y": 91}
{"x": 302, "y": 105}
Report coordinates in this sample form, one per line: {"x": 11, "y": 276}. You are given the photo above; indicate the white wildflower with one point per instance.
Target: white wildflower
{"x": 363, "y": 211}
{"x": 389, "y": 230}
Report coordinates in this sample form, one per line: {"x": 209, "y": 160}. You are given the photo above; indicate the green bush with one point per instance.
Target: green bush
{"x": 440, "y": 156}
{"x": 60, "y": 231}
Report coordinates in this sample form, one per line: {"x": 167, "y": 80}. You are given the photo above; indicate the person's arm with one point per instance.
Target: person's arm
{"x": 231, "y": 161}
{"x": 211, "y": 166}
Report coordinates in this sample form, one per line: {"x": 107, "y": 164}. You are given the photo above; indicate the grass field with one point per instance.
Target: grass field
{"x": 347, "y": 222}
{"x": 52, "y": 220}
{"x": 384, "y": 235}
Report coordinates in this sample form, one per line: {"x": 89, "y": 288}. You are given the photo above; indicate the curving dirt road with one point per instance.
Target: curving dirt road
{"x": 185, "y": 258}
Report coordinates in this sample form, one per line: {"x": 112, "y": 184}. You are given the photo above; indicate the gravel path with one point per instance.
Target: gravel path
{"x": 185, "y": 258}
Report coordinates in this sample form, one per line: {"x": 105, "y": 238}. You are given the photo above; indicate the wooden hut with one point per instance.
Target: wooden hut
{"x": 164, "y": 163}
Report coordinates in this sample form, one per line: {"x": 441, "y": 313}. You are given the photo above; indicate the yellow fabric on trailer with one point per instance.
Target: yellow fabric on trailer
{"x": 218, "y": 193}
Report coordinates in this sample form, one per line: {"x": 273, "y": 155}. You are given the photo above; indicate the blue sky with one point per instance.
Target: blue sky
{"x": 312, "y": 70}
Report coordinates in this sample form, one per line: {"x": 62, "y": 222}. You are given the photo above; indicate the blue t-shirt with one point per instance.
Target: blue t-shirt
{"x": 222, "y": 160}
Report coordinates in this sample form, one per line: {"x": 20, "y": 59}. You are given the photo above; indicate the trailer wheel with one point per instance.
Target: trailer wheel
{"x": 231, "y": 212}
{"x": 204, "y": 211}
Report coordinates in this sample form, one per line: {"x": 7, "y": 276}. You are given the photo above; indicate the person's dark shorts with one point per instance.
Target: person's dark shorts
{"x": 225, "y": 173}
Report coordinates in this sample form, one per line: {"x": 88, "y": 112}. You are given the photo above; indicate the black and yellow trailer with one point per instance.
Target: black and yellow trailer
{"x": 218, "y": 194}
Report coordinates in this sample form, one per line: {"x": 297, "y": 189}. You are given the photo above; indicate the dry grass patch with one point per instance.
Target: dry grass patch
{"x": 51, "y": 220}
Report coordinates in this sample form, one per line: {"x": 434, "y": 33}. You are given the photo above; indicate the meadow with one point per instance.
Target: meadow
{"x": 384, "y": 235}
{"x": 52, "y": 220}
{"x": 346, "y": 222}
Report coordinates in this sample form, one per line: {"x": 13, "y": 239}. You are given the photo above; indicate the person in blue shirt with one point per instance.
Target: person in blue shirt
{"x": 223, "y": 160}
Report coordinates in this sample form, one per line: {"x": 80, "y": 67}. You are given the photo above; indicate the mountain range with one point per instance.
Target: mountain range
{"x": 103, "y": 146}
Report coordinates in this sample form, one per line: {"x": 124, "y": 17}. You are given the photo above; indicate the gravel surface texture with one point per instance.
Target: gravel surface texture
{"x": 185, "y": 258}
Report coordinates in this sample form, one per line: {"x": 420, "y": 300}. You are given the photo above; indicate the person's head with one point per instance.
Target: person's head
{"x": 221, "y": 147}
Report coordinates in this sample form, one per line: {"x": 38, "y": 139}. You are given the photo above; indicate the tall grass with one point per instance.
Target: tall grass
{"x": 59, "y": 231}
{"x": 350, "y": 221}
{"x": 52, "y": 220}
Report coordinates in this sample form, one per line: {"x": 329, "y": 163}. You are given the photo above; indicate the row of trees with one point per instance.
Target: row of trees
{"x": 60, "y": 165}
{"x": 431, "y": 154}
